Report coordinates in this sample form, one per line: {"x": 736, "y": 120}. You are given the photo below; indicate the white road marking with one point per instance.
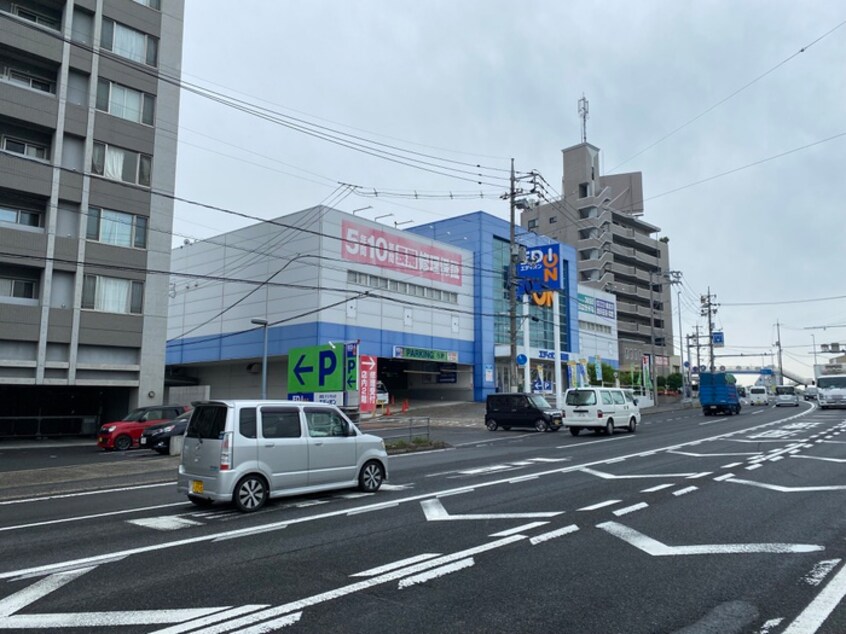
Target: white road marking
{"x": 696, "y": 476}
{"x": 212, "y": 619}
{"x": 550, "y": 459}
{"x": 36, "y": 591}
{"x": 545, "y": 537}
{"x": 685, "y": 491}
{"x": 61, "y": 496}
{"x": 614, "y": 460}
{"x": 524, "y": 478}
{"x": 435, "y": 512}
{"x": 777, "y": 458}
{"x": 370, "y": 509}
{"x": 271, "y": 626}
{"x": 434, "y": 573}
{"x": 490, "y": 469}
{"x": 716, "y": 420}
{"x": 594, "y": 442}
{"x": 725, "y": 476}
{"x": 164, "y": 522}
{"x": 731, "y": 465}
{"x": 753, "y": 467}
{"x": 783, "y": 489}
{"x": 815, "y": 614}
{"x": 611, "y": 476}
{"x": 90, "y": 517}
{"x": 769, "y": 625}
{"x": 820, "y": 571}
{"x": 657, "y": 549}
{"x": 518, "y": 529}
{"x": 396, "y": 487}
{"x": 630, "y": 509}
{"x": 303, "y": 505}
{"x": 657, "y": 488}
{"x": 838, "y": 460}
{"x": 712, "y": 455}
{"x": 485, "y": 442}
{"x": 599, "y": 505}
{"x": 372, "y": 572}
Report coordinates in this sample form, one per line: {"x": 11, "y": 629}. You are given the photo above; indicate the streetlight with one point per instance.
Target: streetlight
{"x": 263, "y": 324}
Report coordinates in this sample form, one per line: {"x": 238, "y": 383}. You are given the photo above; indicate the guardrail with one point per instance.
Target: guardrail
{"x": 37, "y": 426}
{"x": 399, "y": 428}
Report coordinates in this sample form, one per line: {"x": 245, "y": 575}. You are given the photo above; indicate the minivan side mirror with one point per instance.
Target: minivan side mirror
{"x": 635, "y": 401}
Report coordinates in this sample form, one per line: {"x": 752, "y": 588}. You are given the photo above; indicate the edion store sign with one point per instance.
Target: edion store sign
{"x": 369, "y": 245}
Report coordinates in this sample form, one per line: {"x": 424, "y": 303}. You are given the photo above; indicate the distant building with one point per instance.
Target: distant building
{"x": 428, "y": 306}
{"x": 88, "y": 125}
{"x": 597, "y": 326}
{"x": 616, "y": 251}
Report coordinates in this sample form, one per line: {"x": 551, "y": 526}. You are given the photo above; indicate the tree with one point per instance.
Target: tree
{"x": 674, "y": 381}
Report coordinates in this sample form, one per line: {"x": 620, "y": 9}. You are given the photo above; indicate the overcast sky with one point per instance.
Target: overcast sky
{"x": 484, "y": 80}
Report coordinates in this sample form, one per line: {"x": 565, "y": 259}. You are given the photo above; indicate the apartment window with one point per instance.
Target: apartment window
{"x": 129, "y": 43}
{"x": 153, "y": 4}
{"x": 26, "y": 79}
{"x": 38, "y": 17}
{"x": 122, "y": 165}
{"x": 112, "y": 295}
{"x": 553, "y": 220}
{"x": 126, "y": 103}
{"x": 584, "y": 190}
{"x": 18, "y": 288}
{"x": 117, "y": 228}
{"x": 26, "y": 217}
{"x": 533, "y": 223}
{"x": 26, "y": 148}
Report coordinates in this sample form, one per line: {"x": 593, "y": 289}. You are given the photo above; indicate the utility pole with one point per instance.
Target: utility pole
{"x": 698, "y": 345}
{"x": 512, "y": 281}
{"x": 674, "y": 278}
{"x": 709, "y": 310}
{"x": 652, "y": 338}
{"x": 778, "y": 344}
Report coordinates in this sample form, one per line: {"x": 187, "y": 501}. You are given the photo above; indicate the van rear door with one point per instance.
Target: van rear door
{"x": 202, "y": 444}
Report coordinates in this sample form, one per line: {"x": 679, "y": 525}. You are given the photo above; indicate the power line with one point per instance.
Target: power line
{"x": 728, "y": 97}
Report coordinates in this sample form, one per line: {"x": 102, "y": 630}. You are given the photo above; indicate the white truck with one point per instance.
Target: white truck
{"x": 831, "y": 385}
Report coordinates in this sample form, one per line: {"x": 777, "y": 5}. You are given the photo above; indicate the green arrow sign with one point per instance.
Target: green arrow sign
{"x": 316, "y": 369}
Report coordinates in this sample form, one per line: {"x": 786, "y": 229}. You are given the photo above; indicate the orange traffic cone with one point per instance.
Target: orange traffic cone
{"x": 405, "y": 405}
{"x": 388, "y": 409}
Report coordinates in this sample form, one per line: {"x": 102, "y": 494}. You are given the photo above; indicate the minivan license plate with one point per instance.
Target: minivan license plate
{"x": 196, "y": 486}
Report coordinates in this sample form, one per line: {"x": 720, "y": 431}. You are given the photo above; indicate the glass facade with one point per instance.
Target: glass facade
{"x": 541, "y": 332}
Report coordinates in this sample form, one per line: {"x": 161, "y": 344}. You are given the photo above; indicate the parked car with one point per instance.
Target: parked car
{"x": 125, "y": 434}
{"x": 516, "y": 409}
{"x": 383, "y": 397}
{"x": 600, "y": 409}
{"x": 157, "y": 437}
{"x": 786, "y": 395}
{"x": 811, "y": 393}
{"x": 246, "y": 451}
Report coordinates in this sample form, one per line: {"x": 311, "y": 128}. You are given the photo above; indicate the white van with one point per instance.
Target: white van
{"x": 758, "y": 395}
{"x": 600, "y": 408}
{"x": 245, "y": 452}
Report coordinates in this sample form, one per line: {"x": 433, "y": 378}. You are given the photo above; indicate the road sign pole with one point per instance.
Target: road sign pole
{"x": 527, "y": 370}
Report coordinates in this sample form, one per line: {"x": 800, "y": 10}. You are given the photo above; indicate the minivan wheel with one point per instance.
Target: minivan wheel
{"x": 540, "y": 425}
{"x": 575, "y": 430}
{"x": 491, "y": 425}
{"x": 609, "y": 428}
{"x": 123, "y": 442}
{"x": 250, "y": 494}
{"x": 632, "y": 425}
{"x": 371, "y": 476}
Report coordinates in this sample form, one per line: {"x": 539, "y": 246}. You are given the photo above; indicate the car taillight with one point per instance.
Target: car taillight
{"x": 226, "y": 452}
{"x": 599, "y": 413}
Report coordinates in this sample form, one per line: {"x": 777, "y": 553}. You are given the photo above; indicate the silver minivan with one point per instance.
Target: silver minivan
{"x": 245, "y": 452}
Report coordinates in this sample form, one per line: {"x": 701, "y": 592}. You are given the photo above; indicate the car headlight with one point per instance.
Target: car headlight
{"x": 168, "y": 428}
{"x": 110, "y": 429}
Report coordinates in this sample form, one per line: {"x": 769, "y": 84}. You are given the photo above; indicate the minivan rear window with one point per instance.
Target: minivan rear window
{"x": 785, "y": 389}
{"x": 758, "y": 390}
{"x": 208, "y": 421}
{"x": 581, "y": 397}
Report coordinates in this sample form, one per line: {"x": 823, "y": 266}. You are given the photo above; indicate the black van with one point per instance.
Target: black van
{"x": 517, "y": 409}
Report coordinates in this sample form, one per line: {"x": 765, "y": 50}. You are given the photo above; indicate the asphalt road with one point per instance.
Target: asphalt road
{"x": 692, "y": 525}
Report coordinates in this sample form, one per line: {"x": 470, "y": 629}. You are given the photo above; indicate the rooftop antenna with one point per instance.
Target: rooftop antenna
{"x": 584, "y": 114}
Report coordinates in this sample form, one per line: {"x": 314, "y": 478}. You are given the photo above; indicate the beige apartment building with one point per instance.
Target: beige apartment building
{"x": 617, "y": 251}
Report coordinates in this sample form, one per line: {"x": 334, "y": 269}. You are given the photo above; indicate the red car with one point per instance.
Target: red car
{"x": 125, "y": 434}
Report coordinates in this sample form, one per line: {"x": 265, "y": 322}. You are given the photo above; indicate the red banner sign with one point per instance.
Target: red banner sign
{"x": 369, "y": 245}
{"x": 367, "y": 383}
